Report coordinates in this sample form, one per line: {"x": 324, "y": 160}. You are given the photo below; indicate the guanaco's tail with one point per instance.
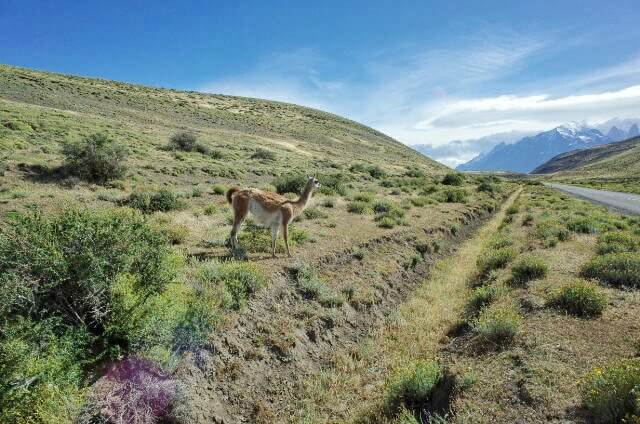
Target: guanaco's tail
{"x": 230, "y": 193}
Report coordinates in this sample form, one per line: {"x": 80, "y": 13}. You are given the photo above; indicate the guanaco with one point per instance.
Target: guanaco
{"x": 268, "y": 209}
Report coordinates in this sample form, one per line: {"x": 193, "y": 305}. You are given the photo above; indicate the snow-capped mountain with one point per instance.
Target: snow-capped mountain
{"x": 529, "y": 152}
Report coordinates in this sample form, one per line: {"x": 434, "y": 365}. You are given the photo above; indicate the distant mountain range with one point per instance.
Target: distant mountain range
{"x": 529, "y": 152}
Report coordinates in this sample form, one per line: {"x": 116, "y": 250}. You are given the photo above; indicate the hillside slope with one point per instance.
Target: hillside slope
{"x": 142, "y": 116}
{"x": 601, "y": 160}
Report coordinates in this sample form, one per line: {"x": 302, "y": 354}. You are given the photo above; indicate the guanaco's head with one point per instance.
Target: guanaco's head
{"x": 313, "y": 182}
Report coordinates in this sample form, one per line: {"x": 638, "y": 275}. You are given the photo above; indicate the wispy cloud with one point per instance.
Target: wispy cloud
{"x": 423, "y": 95}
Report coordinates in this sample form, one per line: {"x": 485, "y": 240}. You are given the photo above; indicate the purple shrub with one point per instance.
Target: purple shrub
{"x": 134, "y": 391}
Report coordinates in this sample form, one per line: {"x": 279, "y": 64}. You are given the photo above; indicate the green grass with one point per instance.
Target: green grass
{"x": 413, "y": 387}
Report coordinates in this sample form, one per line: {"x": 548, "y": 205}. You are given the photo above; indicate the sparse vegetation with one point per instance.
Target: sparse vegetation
{"x": 495, "y": 259}
{"x": 148, "y": 202}
{"x": 618, "y": 269}
{"x": 528, "y": 268}
{"x": 498, "y": 323}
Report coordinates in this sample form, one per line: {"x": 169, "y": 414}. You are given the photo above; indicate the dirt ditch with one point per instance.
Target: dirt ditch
{"x": 253, "y": 369}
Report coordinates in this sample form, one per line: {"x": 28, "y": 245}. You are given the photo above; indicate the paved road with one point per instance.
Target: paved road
{"x": 622, "y": 202}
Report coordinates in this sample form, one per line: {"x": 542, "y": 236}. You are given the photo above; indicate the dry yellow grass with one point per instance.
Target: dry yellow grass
{"x": 352, "y": 390}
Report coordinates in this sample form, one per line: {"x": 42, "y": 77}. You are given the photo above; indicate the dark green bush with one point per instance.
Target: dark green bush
{"x": 264, "y": 154}
{"x": 529, "y": 268}
{"x": 579, "y": 298}
{"x": 414, "y": 387}
{"x": 359, "y": 207}
{"x": 219, "y": 189}
{"x": 611, "y": 394}
{"x": 495, "y": 259}
{"x": 64, "y": 265}
{"x": 373, "y": 170}
{"x": 498, "y": 323}
{"x": 453, "y": 195}
{"x": 333, "y": 184}
{"x": 290, "y": 183}
{"x": 584, "y": 225}
{"x": 486, "y": 187}
{"x": 618, "y": 269}
{"x": 453, "y": 179}
{"x": 149, "y": 202}
{"x": 185, "y": 141}
{"x": 97, "y": 159}
{"x": 481, "y": 297}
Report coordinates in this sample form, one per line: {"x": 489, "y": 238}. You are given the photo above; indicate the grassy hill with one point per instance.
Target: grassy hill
{"x": 113, "y": 262}
{"x": 614, "y": 166}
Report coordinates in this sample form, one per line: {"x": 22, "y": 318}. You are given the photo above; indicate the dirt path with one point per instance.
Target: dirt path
{"x": 258, "y": 365}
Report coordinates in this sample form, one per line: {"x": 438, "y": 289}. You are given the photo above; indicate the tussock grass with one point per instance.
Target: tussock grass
{"x": 498, "y": 324}
{"x": 580, "y": 298}
{"x": 618, "y": 269}
{"x": 528, "y": 268}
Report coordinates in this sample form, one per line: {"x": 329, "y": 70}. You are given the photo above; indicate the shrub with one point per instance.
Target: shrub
{"x": 363, "y": 197}
{"x": 580, "y": 298}
{"x": 611, "y": 394}
{"x": 619, "y": 269}
{"x": 210, "y": 210}
{"x": 453, "y": 195}
{"x": 239, "y": 280}
{"x": 184, "y": 141}
{"x": 257, "y": 239}
{"x": 551, "y": 231}
{"x": 527, "y": 220}
{"x": 414, "y": 386}
{"x": 512, "y": 210}
{"x": 495, "y": 259}
{"x": 421, "y": 201}
{"x": 453, "y": 179}
{"x": 498, "y": 323}
{"x": 314, "y": 213}
{"x": 359, "y": 207}
{"x": 313, "y": 287}
{"x": 498, "y": 242}
{"x": 219, "y": 189}
{"x": 584, "y": 225}
{"x": 97, "y": 159}
{"x": 529, "y": 268}
{"x": 328, "y": 202}
{"x": 373, "y": 170}
{"x": 149, "y": 202}
{"x": 65, "y": 265}
{"x": 486, "y": 187}
{"x": 133, "y": 390}
{"x": 617, "y": 242}
{"x": 333, "y": 184}
{"x": 264, "y": 154}
{"x": 290, "y": 183}
{"x": 388, "y": 215}
{"x": 41, "y": 373}
{"x": 481, "y": 297}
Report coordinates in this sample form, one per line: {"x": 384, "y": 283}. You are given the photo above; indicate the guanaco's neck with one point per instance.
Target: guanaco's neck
{"x": 301, "y": 203}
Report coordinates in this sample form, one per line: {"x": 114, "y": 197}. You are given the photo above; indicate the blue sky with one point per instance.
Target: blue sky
{"x": 423, "y": 72}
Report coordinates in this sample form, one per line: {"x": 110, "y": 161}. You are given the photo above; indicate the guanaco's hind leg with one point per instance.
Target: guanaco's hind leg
{"x": 286, "y": 219}
{"x": 240, "y": 211}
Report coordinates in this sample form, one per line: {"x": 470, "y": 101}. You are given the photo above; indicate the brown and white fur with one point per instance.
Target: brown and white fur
{"x": 269, "y": 210}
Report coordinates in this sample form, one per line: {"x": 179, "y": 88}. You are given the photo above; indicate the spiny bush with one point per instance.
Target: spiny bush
{"x": 41, "y": 373}
{"x": 529, "y": 268}
{"x": 481, "y": 297}
{"x": 333, "y": 184}
{"x": 65, "y": 264}
{"x": 160, "y": 201}
{"x": 238, "y": 280}
{"x": 453, "y": 179}
{"x": 498, "y": 323}
{"x": 579, "y": 298}
{"x": 313, "y": 287}
{"x": 414, "y": 387}
{"x": 617, "y": 242}
{"x": 611, "y": 394}
{"x": 453, "y": 195}
{"x": 360, "y": 207}
{"x": 257, "y": 239}
{"x": 264, "y": 154}
{"x": 618, "y": 269}
{"x": 97, "y": 158}
{"x": 495, "y": 259}
{"x": 290, "y": 183}
{"x": 184, "y": 141}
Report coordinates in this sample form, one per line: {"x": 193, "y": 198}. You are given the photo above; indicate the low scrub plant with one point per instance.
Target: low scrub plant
{"x": 314, "y": 213}
{"x": 237, "y": 281}
{"x": 490, "y": 260}
{"x": 333, "y": 184}
{"x": 611, "y": 393}
{"x": 98, "y": 159}
{"x": 290, "y": 183}
{"x": 163, "y": 200}
{"x": 360, "y": 207}
{"x": 219, "y": 189}
{"x": 388, "y": 215}
{"x": 480, "y": 298}
{"x": 313, "y": 287}
{"x": 185, "y": 141}
{"x": 584, "y": 225}
{"x": 414, "y": 387}
{"x": 529, "y": 268}
{"x": 550, "y": 231}
{"x": 617, "y": 242}
{"x": 498, "y": 323}
{"x": 264, "y": 154}
{"x": 452, "y": 195}
{"x": 453, "y": 179}
{"x": 618, "y": 269}
{"x": 580, "y": 298}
